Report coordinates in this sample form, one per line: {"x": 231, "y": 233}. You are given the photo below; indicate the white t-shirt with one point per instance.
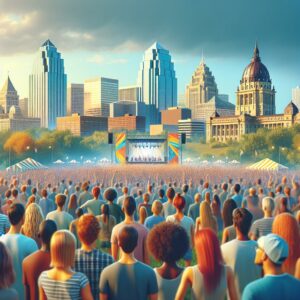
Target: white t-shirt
{"x": 61, "y": 218}
{"x": 240, "y": 256}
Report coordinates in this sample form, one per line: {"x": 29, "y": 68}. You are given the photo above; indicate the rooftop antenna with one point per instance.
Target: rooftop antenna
{"x": 202, "y": 57}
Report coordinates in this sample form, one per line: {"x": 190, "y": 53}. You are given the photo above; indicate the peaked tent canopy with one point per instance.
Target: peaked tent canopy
{"x": 267, "y": 164}
{"x": 24, "y": 165}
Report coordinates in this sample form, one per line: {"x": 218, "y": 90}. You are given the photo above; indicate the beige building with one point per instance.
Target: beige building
{"x": 255, "y": 107}
{"x": 82, "y": 125}
{"x": 192, "y": 128}
{"x": 23, "y": 104}
{"x": 159, "y": 129}
{"x": 130, "y": 93}
{"x": 75, "y": 98}
{"x": 8, "y": 96}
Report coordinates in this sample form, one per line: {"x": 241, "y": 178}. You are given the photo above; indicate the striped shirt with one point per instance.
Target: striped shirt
{"x": 262, "y": 227}
{"x": 4, "y": 224}
{"x": 92, "y": 264}
{"x": 64, "y": 290}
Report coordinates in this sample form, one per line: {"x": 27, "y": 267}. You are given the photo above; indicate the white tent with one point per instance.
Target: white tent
{"x": 58, "y": 162}
{"x": 219, "y": 162}
{"x": 267, "y": 164}
{"x": 88, "y": 161}
{"x": 24, "y": 165}
{"x": 234, "y": 162}
{"x": 73, "y": 161}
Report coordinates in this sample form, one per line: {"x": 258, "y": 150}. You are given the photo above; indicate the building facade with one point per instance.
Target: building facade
{"x": 130, "y": 93}
{"x": 127, "y": 122}
{"x": 172, "y": 115}
{"x": 157, "y": 80}
{"x": 296, "y": 96}
{"x": 98, "y": 94}
{"x": 192, "y": 128}
{"x": 75, "y": 98}
{"x": 23, "y": 104}
{"x": 121, "y": 108}
{"x": 82, "y": 125}
{"x": 8, "y": 96}
{"x": 48, "y": 86}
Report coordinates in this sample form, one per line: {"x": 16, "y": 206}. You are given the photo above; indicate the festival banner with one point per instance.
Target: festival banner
{"x": 121, "y": 147}
{"x": 173, "y": 148}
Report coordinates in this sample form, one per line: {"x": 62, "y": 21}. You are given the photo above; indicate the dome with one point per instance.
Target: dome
{"x": 291, "y": 109}
{"x": 256, "y": 70}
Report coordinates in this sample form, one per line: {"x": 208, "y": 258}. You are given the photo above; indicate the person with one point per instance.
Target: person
{"x": 72, "y": 205}
{"x": 107, "y": 223}
{"x": 6, "y": 281}
{"x": 128, "y": 278}
{"x": 139, "y": 198}
{"x": 39, "y": 261}
{"x": 237, "y": 197}
{"x": 140, "y": 251}
{"x": 122, "y": 198}
{"x": 285, "y": 225}
{"x": 263, "y": 226}
{"x": 216, "y": 211}
{"x": 31, "y": 199}
{"x": 252, "y": 204}
{"x": 18, "y": 245}
{"x": 194, "y": 209}
{"x": 73, "y": 226}
{"x": 115, "y": 210}
{"x": 229, "y": 233}
{"x": 206, "y": 218}
{"x": 142, "y": 214}
{"x": 61, "y": 282}
{"x": 33, "y": 219}
{"x": 146, "y": 198}
{"x": 239, "y": 253}
{"x": 283, "y": 206}
{"x": 168, "y": 243}
{"x": 93, "y": 206}
{"x": 89, "y": 260}
{"x": 46, "y": 204}
{"x": 4, "y": 224}
{"x": 209, "y": 278}
{"x": 186, "y": 222}
{"x": 85, "y": 195}
{"x": 156, "y": 218}
{"x": 161, "y": 195}
{"x": 59, "y": 216}
{"x": 224, "y": 194}
{"x": 271, "y": 253}
{"x": 168, "y": 208}
{"x": 188, "y": 199}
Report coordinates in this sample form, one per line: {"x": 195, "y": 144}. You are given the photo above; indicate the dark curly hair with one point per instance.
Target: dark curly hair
{"x": 110, "y": 194}
{"x": 168, "y": 242}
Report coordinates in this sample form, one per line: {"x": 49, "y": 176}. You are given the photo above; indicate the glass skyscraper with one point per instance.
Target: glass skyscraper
{"x": 48, "y": 86}
{"x": 158, "y": 80}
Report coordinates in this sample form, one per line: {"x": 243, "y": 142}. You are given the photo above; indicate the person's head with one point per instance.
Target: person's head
{"x": 7, "y": 277}
{"x": 168, "y": 242}
{"x": 142, "y": 214}
{"x": 283, "y": 205}
{"x": 170, "y": 193}
{"x": 209, "y": 257}
{"x": 60, "y": 200}
{"x": 216, "y": 205}
{"x": 62, "y": 249}
{"x": 125, "y": 190}
{"x": 146, "y": 198}
{"x": 16, "y": 214}
{"x": 46, "y": 230}
{"x": 225, "y": 186}
{"x": 228, "y": 208}
{"x": 129, "y": 206}
{"x": 79, "y": 212}
{"x": 8, "y": 194}
{"x": 15, "y": 193}
{"x": 110, "y": 194}
{"x": 88, "y": 229}
{"x": 73, "y": 201}
{"x": 268, "y": 205}
{"x": 161, "y": 193}
{"x": 31, "y": 199}
{"x": 284, "y": 180}
{"x": 287, "y": 191}
{"x": 242, "y": 219}
{"x": 33, "y": 190}
{"x": 185, "y": 188}
{"x": 258, "y": 181}
{"x": 271, "y": 194}
{"x": 285, "y": 225}
{"x": 23, "y": 188}
{"x": 127, "y": 239}
{"x": 85, "y": 186}
{"x": 96, "y": 192}
{"x": 105, "y": 209}
{"x": 179, "y": 202}
{"x": 207, "y": 197}
{"x": 206, "y": 216}
{"x": 44, "y": 193}
{"x": 77, "y": 188}
{"x": 197, "y": 198}
{"x": 278, "y": 189}
{"x": 272, "y": 249}
{"x": 252, "y": 191}
{"x": 157, "y": 207}
{"x": 140, "y": 193}
{"x": 237, "y": 188}
{"x": 33, "y": 218}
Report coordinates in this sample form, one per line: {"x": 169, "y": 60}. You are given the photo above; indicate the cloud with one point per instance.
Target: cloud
{"x": 102, "y": 59}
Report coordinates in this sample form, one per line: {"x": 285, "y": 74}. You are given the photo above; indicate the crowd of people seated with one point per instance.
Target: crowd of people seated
{"x": 140, "y": 236}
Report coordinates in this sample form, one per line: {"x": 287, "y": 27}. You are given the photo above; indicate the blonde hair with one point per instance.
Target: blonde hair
{"x": 33, "y": 218}
{"x": 157, "y": 207}
{"x": 207, "y": 219}
{"x": 62, "y": 249}
{"x": 31, "y": 200}
{"x": 143, "y": 214}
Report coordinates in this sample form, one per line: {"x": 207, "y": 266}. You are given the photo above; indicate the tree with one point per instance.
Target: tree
{"x": 18, "y": 142}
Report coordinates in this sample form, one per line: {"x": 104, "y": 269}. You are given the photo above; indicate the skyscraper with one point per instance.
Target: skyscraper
{"x": 157, "y": 79}
{"x": 8, "y": 96}
{"x": 48, "y": 86}
{"x": 98, "y": 94}
{"x": 75, "y": 98}
{"x": 296, "y": 96}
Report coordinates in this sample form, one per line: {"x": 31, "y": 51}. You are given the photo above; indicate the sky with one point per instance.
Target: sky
{"x": 108, "y": 38}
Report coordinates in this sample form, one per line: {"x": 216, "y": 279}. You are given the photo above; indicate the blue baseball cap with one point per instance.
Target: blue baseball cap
{"x": 275, "y": 247}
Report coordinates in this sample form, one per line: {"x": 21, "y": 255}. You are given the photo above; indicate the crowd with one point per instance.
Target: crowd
{"x": 144, "y": 232}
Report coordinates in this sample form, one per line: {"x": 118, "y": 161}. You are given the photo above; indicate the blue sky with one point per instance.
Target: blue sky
{"x": 108, "y": 38}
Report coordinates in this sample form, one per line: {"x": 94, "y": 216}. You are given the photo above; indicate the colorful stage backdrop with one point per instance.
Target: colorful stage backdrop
{"x": 121, "y": 147}
{"x": 173, "y": 148}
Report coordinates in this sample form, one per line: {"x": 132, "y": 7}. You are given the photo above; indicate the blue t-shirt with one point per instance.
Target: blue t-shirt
{"x": 238, "y": 199}
{"x": 273, "y": 287}
{"x": 153, "y": 220}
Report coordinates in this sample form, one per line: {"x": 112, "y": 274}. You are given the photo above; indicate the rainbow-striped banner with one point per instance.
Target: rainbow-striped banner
{"x": 121, "y": 147}
{"x": 173, "y": 148}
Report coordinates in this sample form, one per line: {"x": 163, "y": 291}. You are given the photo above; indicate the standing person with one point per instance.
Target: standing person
{"x": 122, "y": 198}
{"x": 93, "y": 206}
{"x": 224, "y": 194}
{"x": 194, "y": 209}
{"x": 239, "y": 253}
{"x": 210, "y": 278}
{"x": 140, "y": 251}
{"x": 156, "y": 218}
{"x": 72, "y": 206}
{"x": 61, "y": 282}
{"x": 271, "y": 253}
{"x": 263, "y": 226}
{"x": 39, "y": 261}
{"x": 229, "y": 232}
{"x": 161, "y": 196}
{"x": 237, "y": 197}
{"x": 216, "y": 211}
{"x": 142, "y": 215}
{"x": 145, "y": 204}
{"x": 46, "y": 204}
{"x": 285, "y": 225}
{"x": 107, "y": 223}
{"x": 85, "y": 195}
{"x": 139, "y": 199}
{"x": 4, "y": 224}
{"x": 168, "y": 243}
{"x": 128, "y": 278}
{"x": 187, "y": 197}
{"x": 6, "y": 281}
{"x": 59, "y": 216}
{"x": 206, "y": 219}
{"x": 89, "y": 260}
{"x": 252, "y": 204}
{"x": 73, "y": 226}
{"x": 186, "y": 222}
{"x": 115, "y": 210}
{"x": 168, "y": 207}
{"x": 18, "y": 245}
